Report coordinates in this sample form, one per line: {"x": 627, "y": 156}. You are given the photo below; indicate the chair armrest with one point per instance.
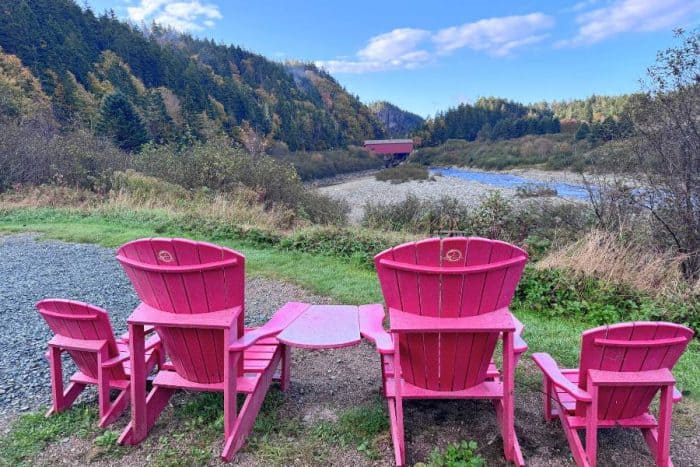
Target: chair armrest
{"x": 551, "y": 370}
{"x": 519, "y": 344}
{"x": 68, "y": 343}
{"x": 151, "y": 343}
{"x": 372, "y": 328}
{"x": 146, "y": 330}
{"x": 660, "y": 377}
{"x": 280, "y": 320}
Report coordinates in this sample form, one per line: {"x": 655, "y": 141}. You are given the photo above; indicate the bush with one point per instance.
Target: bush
{"x": 219, "y": 166}
{"x": 537, "y": 224}
{"x": 34, "y": 154}
{"x": 320, "y": 164}
{"x": 535, "y": 190}
{"x": 560, "y": 293}
{"x": 403, "y": 173}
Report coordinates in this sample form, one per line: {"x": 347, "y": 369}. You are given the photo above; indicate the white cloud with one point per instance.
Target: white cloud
{"x": 181, "y": 15}
{"x": 393, "y": 50}
{"x": 408, "y": 48}
{"x": 496, "y": 36}
{"x": 630, "y": 15}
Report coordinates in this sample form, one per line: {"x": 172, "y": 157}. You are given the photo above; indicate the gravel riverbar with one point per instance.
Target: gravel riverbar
{"x": 360, "y": 190}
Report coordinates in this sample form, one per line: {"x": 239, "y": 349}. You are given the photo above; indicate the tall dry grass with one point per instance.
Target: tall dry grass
{"x": 607, "y": 256}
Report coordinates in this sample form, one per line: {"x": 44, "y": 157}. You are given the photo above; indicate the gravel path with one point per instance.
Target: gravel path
{"x": 31, "y": 270}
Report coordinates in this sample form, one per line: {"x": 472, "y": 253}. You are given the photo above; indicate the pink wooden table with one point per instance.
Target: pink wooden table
{"x": 324, "y": 327}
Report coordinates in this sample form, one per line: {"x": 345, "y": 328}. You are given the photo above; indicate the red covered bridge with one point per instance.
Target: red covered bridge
{"x": 394, "y": 151}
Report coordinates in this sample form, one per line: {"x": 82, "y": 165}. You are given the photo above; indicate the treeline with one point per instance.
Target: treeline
{"x": 592, "y": 109}
{"x": 488, "y": 119}
{"x": 100, "y": 73}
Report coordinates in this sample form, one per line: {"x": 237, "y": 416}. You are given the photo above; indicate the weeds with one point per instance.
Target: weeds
{"x": 462, "y": 454}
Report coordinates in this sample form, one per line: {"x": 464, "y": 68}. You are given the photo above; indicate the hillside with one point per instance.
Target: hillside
{"x": 489, "y": 118}
{"x": 174, "y": 87}
{"x": 397, "y": 122}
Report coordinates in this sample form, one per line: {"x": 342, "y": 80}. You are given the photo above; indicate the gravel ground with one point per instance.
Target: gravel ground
{"x": 31, "y": 270}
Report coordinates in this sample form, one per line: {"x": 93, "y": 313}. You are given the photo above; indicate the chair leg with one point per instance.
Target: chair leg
{"x": 115, "y": 409}
{"x": 592, "y": 427}
{"x": 664, "y": 436}
{"x": 547, "y": 385}
{"x": 156, "y": 401}
{"x": 243, "y": 424}
{"x": 397, "y": 431}
{"x": 286, "y": 365}
{"x": 61, "y": 400}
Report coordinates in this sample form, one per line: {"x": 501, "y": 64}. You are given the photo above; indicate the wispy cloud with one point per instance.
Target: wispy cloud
{"x": 630, "y": 16}
{"x": 496, "y": 36}
{"x": 181, "y": 15}
{"x": 397, "y": 49}
{"x": 409, "y": 48}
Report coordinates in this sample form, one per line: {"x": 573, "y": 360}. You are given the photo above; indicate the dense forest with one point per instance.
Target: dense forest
{"x": 155, "y": 85}
{"x": 488, "y": 118}
{"x": 398, "y": 123}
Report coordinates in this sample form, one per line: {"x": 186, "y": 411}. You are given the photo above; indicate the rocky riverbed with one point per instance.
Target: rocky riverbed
{"x": 360, "y": 190}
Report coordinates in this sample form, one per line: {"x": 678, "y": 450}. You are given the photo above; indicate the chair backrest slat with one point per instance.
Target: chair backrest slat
{"x": 187, "y": 277}
{"x": 629, "y": 347}
{"x": 81, "y": 321}
{"x": 452, "y": 277}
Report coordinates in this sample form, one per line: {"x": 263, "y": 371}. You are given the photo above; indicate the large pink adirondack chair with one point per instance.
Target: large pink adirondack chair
{"x": 622, "y": 368}
{"x": 84, "y": 331}
{"x": 448, "y": 306}
{"x": 193, "y": 292}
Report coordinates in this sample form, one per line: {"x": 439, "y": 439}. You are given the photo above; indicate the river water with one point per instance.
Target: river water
{"x": 504, "y": 180}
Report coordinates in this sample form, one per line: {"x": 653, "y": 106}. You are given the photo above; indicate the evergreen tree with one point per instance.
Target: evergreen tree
{"x": 119, "y": 121}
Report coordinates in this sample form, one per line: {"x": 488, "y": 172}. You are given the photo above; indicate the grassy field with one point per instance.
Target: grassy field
{"x": 342, "y": 280}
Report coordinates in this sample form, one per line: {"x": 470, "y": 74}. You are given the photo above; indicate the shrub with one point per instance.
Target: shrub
{"x": 535, "y": 190}
{"x": 403, "y": 173}
{"x": 34, "y": 154}
{"x": 320, "y": 164}
{"x": 538, "y": 223}
{"x": 219, "y": 166}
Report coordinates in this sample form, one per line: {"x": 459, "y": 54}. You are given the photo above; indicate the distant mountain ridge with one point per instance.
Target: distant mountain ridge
{"x": 179, "y": 87}
{"x": 397, "y": 122}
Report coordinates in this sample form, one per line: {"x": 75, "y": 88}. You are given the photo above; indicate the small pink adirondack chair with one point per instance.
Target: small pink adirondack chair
{"x": 84, "y": 331}
{"x": 448, "y": 307}
{"x": 193, "y": 292}
{"x": 622, "y": 368}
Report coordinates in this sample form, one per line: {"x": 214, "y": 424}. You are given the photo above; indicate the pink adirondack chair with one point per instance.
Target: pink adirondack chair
{"x": 193, "y": 292}
{"x": 622, "y": 367}
{"x": 448, "y": 307}
{"x": 84, "y": 331}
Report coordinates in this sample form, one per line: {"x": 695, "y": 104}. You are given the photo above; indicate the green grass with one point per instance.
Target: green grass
{"x": 358, "y": 427}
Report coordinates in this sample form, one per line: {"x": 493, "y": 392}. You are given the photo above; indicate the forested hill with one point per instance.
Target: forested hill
{"x": 489, "y": 118}
{"x": 398, "y": 123}
{"x": 160, "y": 86}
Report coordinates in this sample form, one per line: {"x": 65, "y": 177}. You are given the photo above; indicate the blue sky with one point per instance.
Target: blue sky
{"x": 428, "y": 56}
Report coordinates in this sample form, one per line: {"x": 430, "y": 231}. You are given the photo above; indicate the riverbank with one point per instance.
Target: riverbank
{"x": 358, "y": 191}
